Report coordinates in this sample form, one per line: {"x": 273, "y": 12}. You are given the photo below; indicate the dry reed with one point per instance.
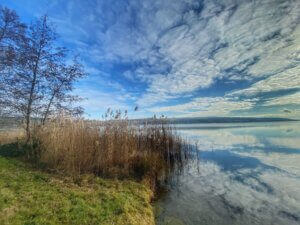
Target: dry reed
{"x": 10, "y": 136}
{"x": 113, "y": 148}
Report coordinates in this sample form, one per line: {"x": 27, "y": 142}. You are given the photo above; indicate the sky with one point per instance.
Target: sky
{"x": 181, "y": 58}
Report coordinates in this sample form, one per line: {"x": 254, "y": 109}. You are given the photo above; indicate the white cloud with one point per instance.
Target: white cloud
{"x": 292, "y": 99}
{"x": 98, "y": 101}
{"x": 287, "y": 142}
{"x": 129, "y": 75}
{"x": 179, "y": 47}
{"x": 184, "y": 78}
{"x": 198, "y": 45}
{"x": 259, "y": 38}
{"x": 207, "y": 106}
{"x": 264, "y": 29}
{"x": 285, "y": 80}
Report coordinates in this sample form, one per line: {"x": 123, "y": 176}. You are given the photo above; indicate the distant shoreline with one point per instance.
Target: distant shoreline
{"x": 16, "y": 121}
{"x": 220, "y": 120}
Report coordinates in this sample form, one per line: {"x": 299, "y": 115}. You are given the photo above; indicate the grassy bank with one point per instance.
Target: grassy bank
{"x": 29, "y": 196}
{"x": 98, "y": 173}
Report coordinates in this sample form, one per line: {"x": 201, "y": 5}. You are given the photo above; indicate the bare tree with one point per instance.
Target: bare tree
{"x": 11, "y": 32}
{"x": 61, "y": 78}
{"x": 41, "y": 77}
{"x": 10, "y": 25}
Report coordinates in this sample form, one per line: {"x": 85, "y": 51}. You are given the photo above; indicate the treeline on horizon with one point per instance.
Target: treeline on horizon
{"x": 191, "y": 120}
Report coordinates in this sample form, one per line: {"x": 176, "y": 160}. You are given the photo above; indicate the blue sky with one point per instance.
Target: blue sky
{"x": 181, "y": 57}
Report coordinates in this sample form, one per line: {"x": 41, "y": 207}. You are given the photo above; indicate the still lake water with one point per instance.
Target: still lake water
{"x": 249, "y": 174}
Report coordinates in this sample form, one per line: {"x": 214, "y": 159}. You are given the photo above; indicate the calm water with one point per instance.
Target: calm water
{"x": 249, "y": 174}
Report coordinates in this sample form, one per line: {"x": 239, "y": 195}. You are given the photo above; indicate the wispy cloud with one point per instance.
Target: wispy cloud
{"x": 292, "y": 99}
{"x": 288, "y": 79}
{"x": 207, "y": 106}
{"x": 163, "y": 51}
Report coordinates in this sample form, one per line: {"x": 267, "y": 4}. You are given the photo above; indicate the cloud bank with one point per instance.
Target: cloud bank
{"x": 237, "y": 54}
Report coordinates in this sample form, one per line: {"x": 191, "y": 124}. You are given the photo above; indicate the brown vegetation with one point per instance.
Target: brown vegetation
{"x": 114, "y": 148}
{"x": 7, "y": 137}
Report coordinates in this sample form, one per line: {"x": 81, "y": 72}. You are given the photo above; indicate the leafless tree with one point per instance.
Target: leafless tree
{"x": 60, "y": 80}
{"x": 42, "y": 79}
{"x": 11, "y": 32}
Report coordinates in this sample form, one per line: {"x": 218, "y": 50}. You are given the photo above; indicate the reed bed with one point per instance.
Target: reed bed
{"x": 10, "y": 136}
{"x": 114, "y": 148}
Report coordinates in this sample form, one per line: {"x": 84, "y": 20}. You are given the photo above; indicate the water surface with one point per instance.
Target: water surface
{"x": 249, "y": 173}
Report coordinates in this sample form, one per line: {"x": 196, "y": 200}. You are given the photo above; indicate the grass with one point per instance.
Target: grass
{"x": 31, "y": 197}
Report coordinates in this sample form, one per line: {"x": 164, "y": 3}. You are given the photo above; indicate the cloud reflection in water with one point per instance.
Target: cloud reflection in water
{"x": 248, "y": 175}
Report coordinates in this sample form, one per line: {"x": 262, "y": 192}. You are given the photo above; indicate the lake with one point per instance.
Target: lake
{"x": 249, "y": 173}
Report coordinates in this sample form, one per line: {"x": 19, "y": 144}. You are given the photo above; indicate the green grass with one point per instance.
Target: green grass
{"x": 31, "y": 197}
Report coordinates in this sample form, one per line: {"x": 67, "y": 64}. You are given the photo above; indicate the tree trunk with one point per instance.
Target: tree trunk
{"x": 30, "y": 100}
{"x": 51, "y": 101}
{"x": 47, "y": 109}
{"x": 28, "y": 111}
{"x": 27, "y": 128}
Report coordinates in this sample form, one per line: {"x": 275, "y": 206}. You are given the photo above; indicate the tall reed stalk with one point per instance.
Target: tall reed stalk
{"x": 112, "y": 148}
